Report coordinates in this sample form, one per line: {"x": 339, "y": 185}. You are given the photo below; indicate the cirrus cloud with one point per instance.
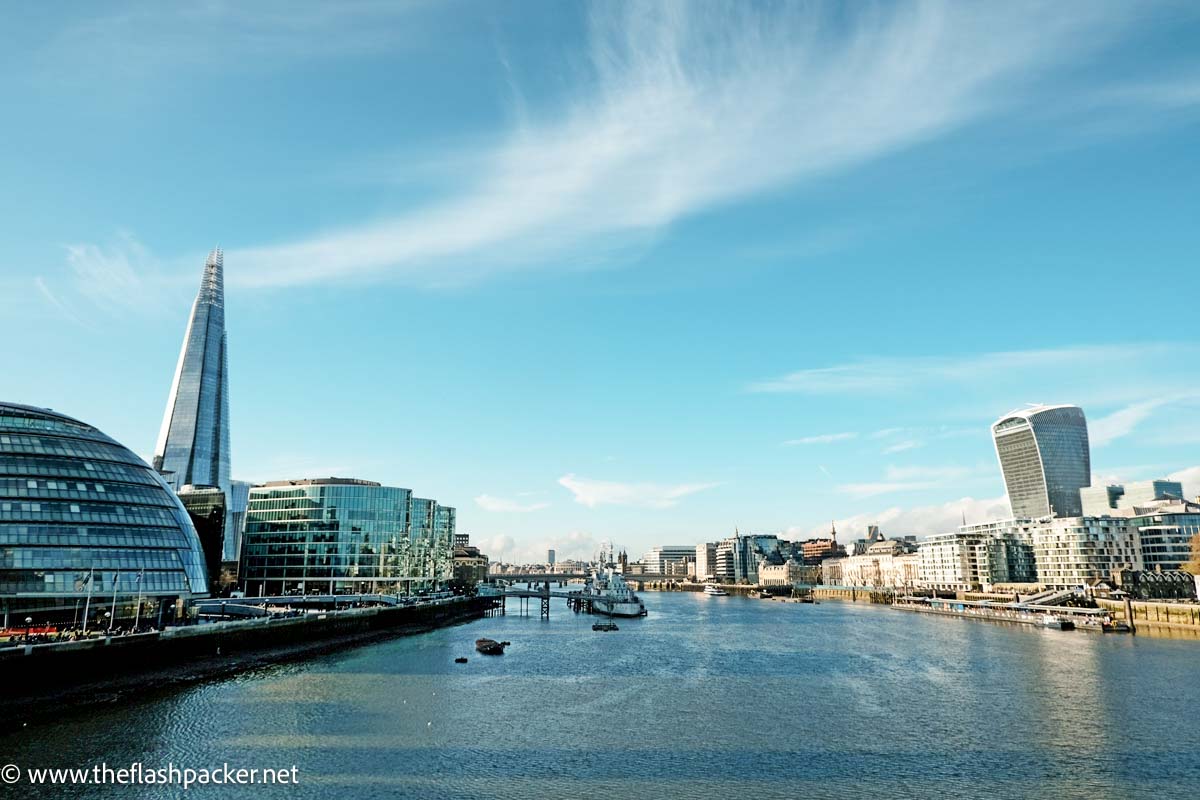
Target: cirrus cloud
{"x": 593, "y": 493}
{"x": 503, "y": 504}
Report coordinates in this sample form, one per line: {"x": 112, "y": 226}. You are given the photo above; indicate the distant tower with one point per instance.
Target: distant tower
{"x": 193, "y": 443}
{"x": 1045, "y": 458}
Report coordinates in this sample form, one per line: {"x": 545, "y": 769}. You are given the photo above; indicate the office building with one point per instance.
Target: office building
{"x": 193, "y": 442}
{"x": 239, "y": 498}
{"x": 462, "y": 540}
{"x": 1045, "y": 459}
{"x": 888, "y": 567}
{"x": 550, "y": 558}
{"x": 83, "y": 519}
{"x": 1096, "y": 501}
{"x": 343, "y": 535}
{"x": 788, "y": 572}
{"x": 1100, "y": 500}
{"x": 706, "y": 561}
{"x": 470, "y": 566}
{"x": 206, "y": 508}
{"x": 664, "y": 559}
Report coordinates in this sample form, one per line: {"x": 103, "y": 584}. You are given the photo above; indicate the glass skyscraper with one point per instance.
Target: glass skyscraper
{"x": 1044, "y": 455}
{"x": 342, "y": 535}
{"x": 83, "y": 518}
{"x": 193, "y": 443}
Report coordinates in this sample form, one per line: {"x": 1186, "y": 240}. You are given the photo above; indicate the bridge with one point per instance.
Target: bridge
{"x": 565, "y": 577}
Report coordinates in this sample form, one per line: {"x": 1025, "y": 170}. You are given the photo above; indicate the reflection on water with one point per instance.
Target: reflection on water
{"x": 706, "y": 697}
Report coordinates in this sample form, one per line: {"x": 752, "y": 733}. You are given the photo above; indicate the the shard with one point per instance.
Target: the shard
{"x": 193, "y": 443}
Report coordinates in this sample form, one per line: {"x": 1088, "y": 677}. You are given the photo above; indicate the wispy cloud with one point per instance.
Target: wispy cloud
{"x": 824, "y": 438}
{"x": 900, "y": 447}
{"x": 593, "y": 493}
{"x": 1171, "y": 92}
{"x": 685, "y": 107}
{"x": 1123, "y": 421}
{"x": 883, "y": 375}
{"x": 62, "y": 306}
{"x": 139, "y": 43}
{"x": 501, "y": 504}
{"x": 909, "y": 479}
{"x": 120, "y": 276}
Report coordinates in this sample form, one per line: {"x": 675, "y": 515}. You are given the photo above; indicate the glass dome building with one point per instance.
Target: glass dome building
{"x": 84, "y": 519}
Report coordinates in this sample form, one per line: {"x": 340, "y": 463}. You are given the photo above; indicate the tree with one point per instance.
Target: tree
{"x": 1193, "y": 563}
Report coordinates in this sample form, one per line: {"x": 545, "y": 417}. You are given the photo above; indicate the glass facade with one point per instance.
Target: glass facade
{"x": 1045, "y": 458}
{"x": 1166, "y": 535}
{"x": 82, "y": 515}
{"x": 206, "y": 506}
{"x": 239, "y": 499}
{"x": 193, "y": 443}
{"x": 340, "y": 535}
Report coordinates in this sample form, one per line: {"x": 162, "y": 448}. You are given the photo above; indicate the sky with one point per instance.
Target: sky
{"x": 644, "y": 273}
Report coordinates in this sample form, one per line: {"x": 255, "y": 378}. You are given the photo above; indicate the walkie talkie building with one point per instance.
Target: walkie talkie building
{"x": 1045, "y": 458}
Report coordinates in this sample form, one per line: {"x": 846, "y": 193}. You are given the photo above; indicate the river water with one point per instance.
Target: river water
{"x": 707, "y": 697}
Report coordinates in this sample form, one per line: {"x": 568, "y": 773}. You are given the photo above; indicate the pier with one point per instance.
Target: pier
{"x": 578, "y": 601}
{"x": 1027, "y": 613}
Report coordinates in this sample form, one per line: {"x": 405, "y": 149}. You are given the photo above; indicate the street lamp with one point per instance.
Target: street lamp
{"x": 108, "y": 618}
{"x": 28, "y": 625}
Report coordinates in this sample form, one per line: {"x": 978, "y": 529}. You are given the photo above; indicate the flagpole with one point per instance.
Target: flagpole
{"x": 88, "y": 604}
{"x": 112, "y": 617}
{"x": 138, "y": 616}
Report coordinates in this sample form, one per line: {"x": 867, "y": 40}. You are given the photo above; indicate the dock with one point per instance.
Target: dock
{"x": 1027, "y": 613}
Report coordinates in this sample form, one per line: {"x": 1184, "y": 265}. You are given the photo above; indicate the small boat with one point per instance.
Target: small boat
{"x": 605, "y": 626}
{"x": 490, "y": 647}
{"x": 714, "y": 590}
{"x": 1057, "y": 623}
{"x": 460, "y": 660}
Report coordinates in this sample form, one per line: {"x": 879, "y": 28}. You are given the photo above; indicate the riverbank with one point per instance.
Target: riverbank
{"x": 42, "y": 678}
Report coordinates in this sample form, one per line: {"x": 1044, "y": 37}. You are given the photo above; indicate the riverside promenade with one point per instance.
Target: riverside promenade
{"x": 41, "y": 677}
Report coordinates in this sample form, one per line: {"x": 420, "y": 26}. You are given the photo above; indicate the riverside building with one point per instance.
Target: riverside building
{"x": 1045, "y": 458}
{"x": 343, "y": 535}
{"x": 977, "y": 557}
{"x": 663, "y": 559}
{"x": 86, "y": 525}
{"x": 886, "y": 563}
{"x": 1071, "y": 552}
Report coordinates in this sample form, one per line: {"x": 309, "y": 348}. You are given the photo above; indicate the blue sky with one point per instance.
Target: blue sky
{"x": 631, "y": 272}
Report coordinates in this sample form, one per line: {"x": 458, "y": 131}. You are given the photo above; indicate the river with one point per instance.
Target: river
{"x": 707, "y": 697}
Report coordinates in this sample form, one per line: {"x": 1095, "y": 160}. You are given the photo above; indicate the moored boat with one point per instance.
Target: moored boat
{"x": 714, "y": 590}
{"x": 1057, "y": 622}
{"x": 605, "y": 626}
{"x": 490, "y": 647}
{"x": 611, "y": 596}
